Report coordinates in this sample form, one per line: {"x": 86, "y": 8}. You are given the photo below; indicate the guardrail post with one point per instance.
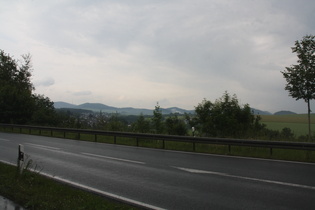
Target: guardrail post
{"x": 95, "y": 137}
{"x": 194, "y": 146}
{"x": 163, "y": 147}
{"x": 21, "y": 157}
{"x": 229, "y": 148}
{"x": 270, "y": 151}
{"x": 137, "y": 139}
{"x": 114, "y": 139}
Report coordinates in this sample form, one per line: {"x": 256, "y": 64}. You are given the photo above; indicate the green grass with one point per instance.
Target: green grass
{"x": 290, "y": 118}
{"x": 298, "y": 123}
{"x": 33, "y": 191}
{"x": 298, "y": 129}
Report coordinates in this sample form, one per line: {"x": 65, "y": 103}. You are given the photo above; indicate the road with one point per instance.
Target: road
{"x": 161, "y": 179}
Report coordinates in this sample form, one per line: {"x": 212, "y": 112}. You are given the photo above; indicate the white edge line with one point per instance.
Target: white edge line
{"x": 246, "y": 178}
{"x": 42, "y": 146}
{"x": 4, "y": 140}
{"x": 112, "y": 158}
{"x": 97, "y": 191}
{"x": 107, "y": 194}
{"x": 7, "y": 162}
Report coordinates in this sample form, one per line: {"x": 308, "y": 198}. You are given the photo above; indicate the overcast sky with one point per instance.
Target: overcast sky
{"x": 175, "y": 52}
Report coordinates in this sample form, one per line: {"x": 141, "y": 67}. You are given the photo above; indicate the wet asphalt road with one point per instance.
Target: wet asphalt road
{"x": 166, "y": 179}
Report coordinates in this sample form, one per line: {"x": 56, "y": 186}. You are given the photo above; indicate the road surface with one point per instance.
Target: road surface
{"x": 161, "y": 179}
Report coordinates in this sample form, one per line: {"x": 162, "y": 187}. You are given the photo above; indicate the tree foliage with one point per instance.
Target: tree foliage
{"x": 18, "y": 104}
{"x": 142, "y": 125}
{"x": 115, "y": 123}
{"x": 301, "y": 76}
{"x": 157, "y": 119}
{"x": 225, "y": 118}
{"x": 44, "y": 113}
{"x": 175, "y": 126}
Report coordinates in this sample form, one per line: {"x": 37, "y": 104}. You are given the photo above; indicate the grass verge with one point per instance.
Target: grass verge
{"x": 34, "y": 191}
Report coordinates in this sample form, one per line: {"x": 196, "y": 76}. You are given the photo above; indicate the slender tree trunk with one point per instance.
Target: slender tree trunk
{"x": 309, "y": 119}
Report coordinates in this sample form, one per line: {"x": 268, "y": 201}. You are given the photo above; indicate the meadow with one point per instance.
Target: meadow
{"x": 298, "y": 123}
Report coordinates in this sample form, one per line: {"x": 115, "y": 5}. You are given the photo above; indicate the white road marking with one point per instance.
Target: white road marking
{"x": 111, "y": 195}
{"x": 39, "y": 146}
{"x": 112, "y": 158}
{"x": 246, "y": 178}
{"x": 4, "y": 140}
{"x": 94, "y": 190}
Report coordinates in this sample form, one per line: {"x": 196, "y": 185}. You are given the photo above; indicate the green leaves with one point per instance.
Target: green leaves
{"x": 225, "y": 118}
{"x": 301, "y": 77}
{"x": 17, "y": 102}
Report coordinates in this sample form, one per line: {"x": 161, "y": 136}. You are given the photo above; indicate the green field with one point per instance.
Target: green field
{"x": 298, "y": 123}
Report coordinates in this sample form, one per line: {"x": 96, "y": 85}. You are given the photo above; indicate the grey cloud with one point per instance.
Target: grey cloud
{"x": 82, "y": 93}
{"x": 46, "y": 82}
{"x": 195, "y": 45}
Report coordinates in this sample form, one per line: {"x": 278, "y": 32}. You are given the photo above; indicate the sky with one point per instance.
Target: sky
{"x": 174, "y": 52}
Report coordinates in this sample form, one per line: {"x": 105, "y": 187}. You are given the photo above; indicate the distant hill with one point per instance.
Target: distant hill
{"x": 74, "y": 111}
{"x": 284, "y": 113}
{"x": 259, "y": 112}
{"x": 60, "y": 104}
{"x": 97, "y": 107}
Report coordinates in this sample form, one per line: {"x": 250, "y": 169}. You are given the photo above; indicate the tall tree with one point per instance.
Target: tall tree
{"x": 158, "y": 119}
{"x": 16, "y": 102}
{"x": 301, "y": 76}
{"x": 203, "y": 121}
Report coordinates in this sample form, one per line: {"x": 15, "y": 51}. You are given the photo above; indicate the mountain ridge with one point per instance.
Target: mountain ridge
{"x": 99, "y": 107}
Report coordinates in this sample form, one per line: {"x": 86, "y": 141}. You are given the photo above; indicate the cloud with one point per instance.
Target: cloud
{"x": 82, "y": 93}
{"x": 45, "y": 82}
{"x": 176, "y": 52}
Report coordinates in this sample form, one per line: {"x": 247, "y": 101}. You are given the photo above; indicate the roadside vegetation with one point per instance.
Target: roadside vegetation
{"x": 34, "y": 191}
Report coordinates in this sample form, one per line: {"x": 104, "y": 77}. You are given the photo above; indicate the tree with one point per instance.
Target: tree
{"x": 142, "y": 125}
{"x": 16, "y": 102}
{"x": 157, "y": 119}
{"x": 175, "y": 126}
{"x": 44, "y": 111}
{"x": 203, "y": 119}
{"x": 115, "y": 124}
{"x": 301, "y": 77}
{"x": 225, "y": 118}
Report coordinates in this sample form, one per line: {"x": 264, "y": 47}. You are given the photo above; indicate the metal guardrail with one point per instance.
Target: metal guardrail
{"x": 191, "y": 139}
